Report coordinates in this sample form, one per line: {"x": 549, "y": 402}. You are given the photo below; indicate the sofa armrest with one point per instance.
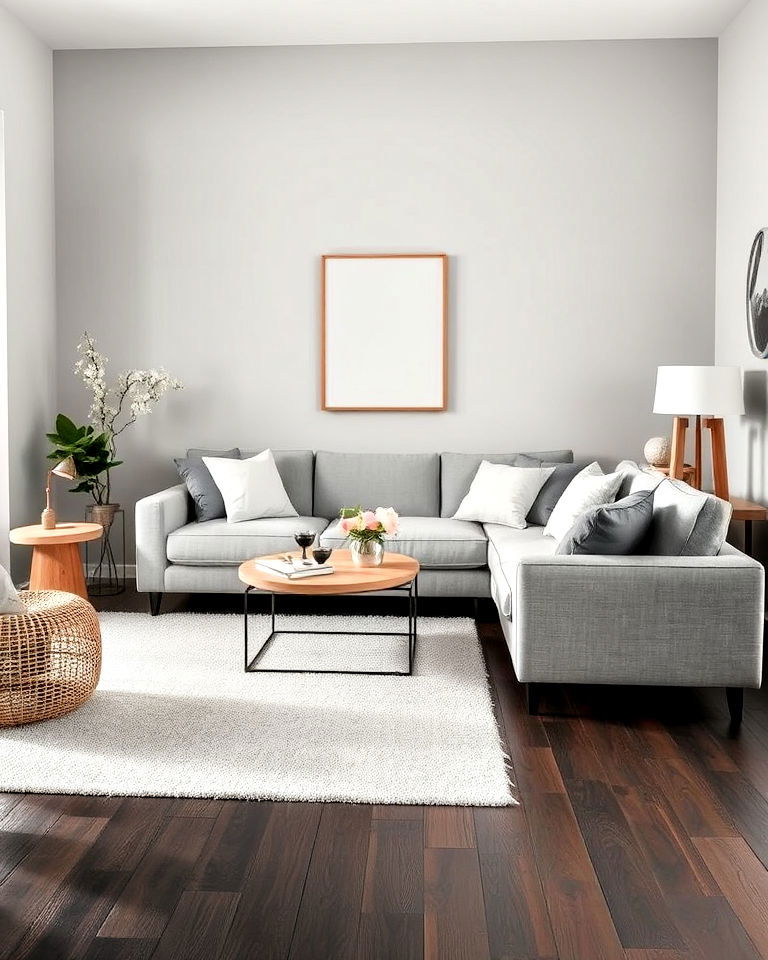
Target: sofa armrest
{"x": 156, "y": 517}
{"x": 695, "y": 621}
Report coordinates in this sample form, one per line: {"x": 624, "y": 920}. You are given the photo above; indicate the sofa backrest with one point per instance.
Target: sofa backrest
{"x": 686, "y": 522}
{"x": 409, "y": 482}
{"x": 457, "y": 471}
{"x": 295, "y": 468}
{"x": 636, "y": 479}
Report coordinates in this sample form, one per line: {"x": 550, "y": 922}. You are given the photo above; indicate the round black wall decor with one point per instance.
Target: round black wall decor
{"x": 757, "y": 297}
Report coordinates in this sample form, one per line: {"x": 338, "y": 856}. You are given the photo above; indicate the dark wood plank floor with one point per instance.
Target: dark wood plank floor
{"x": 642, "y": 834}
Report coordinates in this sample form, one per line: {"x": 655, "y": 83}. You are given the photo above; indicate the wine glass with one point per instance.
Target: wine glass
{"x": 321, "y": 554}
{"x": 304, "y": 538}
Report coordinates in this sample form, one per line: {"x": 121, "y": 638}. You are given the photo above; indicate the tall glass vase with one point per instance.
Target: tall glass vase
{"x": 367, "y": 553}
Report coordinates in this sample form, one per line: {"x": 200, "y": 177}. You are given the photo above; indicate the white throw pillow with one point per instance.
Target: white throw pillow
{"x": 9, "y": 597}
{"x": 589, "y": 488}
{"x": 503, "y": 494}
{"x": 251, "y": 489}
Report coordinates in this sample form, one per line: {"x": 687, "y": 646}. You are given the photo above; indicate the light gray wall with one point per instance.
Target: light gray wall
{"x": 26, "y": 100}
{"x": 5, "y": 492}
{"x": 573, "y": 186}
{"x": 742, "y": 209}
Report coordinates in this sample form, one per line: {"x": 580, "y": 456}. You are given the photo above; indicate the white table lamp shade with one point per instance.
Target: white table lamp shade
{"x": 713, "y": 391}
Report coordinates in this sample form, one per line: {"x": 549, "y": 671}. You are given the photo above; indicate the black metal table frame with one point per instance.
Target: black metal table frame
{"x": 412, "y": 590}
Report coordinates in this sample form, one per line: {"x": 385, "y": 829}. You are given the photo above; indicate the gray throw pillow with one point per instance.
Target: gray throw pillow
{"x": 686, "y": 522}
{"x": 206, "y": 496}
{"x": 614, "y": 529}
{"x": 553, "y": 489}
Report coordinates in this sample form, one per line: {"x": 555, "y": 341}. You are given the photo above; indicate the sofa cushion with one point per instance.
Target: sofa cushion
{"x": 686, "y": 522}
{"x": 406, "y": 481}
{"x": 613, "y": 529}
{"x": 436, "y": 542}
{"x": 506, "y": 547}
{"x": 635, "y": 479}
{"x": 589, "y": 488}
{"x": 457, "y": 471}
{"x": 502, "y": 494}
{"x": 296, "y": 468}
{"x": 553, "y": 489}
{"x": 206, "y": 496}
{"x": 252, "y": 488}
{"x": 220, "y": 543}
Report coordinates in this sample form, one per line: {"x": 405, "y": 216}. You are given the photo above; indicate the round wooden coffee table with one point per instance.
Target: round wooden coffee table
{"x": 398, "y": 572}
{"x": 56, "y": 563}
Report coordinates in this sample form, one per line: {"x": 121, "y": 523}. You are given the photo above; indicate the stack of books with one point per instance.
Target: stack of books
{"x": 294, "y": 568}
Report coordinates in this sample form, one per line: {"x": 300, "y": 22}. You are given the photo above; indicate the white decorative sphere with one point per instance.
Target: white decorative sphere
{"x": 658, "y": 451}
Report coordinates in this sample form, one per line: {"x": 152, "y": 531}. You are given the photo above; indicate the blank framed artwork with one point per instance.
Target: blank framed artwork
{"x": 384, "y": 331}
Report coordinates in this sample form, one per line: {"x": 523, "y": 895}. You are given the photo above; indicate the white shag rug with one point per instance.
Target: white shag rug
{"x": 175, "y": 715}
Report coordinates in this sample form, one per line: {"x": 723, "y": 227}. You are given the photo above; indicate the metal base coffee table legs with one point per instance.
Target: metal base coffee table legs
{"x": 412, "y": 595}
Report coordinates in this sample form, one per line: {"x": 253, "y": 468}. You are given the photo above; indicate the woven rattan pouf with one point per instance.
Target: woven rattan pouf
{"x": 50, "y": 657}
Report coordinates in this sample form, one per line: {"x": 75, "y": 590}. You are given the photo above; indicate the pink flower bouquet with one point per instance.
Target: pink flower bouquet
{"x": 366, "y": 525}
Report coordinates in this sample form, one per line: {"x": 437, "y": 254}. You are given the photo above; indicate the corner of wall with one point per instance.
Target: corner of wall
{"x": 26, "y": 99}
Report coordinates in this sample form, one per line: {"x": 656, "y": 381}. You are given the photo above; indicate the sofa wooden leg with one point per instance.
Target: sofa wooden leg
{"x": 155, "y": 599}
{"x": 735, "y": 696}
{"x": 532, "y": 691}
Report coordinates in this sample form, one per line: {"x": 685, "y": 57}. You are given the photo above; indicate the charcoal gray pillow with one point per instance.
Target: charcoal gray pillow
{"x": 206, "y": 496}
{"x": 553, "y": 489}
{"x": 614, "y": 529}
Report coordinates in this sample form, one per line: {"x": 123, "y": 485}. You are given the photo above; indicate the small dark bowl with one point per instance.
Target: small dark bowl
{"x": 321, "y": 554}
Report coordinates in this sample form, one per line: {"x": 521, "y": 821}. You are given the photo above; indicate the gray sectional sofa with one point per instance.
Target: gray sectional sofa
{"x": 663, "y": 619}
{"x": 175, "y": 554}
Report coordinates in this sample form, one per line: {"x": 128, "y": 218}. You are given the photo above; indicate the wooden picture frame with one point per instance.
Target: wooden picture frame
{"x": 384, "y": 329}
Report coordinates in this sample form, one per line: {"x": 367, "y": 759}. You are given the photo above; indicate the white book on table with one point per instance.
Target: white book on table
{"x": 294, "y": 569}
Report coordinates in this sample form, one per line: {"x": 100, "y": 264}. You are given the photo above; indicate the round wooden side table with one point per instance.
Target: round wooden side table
{"x": 56, "y": 563}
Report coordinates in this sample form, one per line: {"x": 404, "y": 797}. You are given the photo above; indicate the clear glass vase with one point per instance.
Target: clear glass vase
{"x": 367, "y": 553}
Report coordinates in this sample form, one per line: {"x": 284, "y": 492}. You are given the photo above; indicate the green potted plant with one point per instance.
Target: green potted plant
{"x": 88, "y": 454}
{"x": 113, "y": 409}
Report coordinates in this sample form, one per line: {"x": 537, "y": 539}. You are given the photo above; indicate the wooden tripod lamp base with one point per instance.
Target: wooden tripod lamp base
{"x": 716, "y": 427}
{"x": 677, "y": 455}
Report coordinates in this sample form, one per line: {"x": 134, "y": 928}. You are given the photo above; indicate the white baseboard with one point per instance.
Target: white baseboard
{"x": 130, "y": 574}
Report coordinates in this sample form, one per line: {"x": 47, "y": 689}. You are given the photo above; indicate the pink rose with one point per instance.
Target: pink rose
{"x": 347, "y": 524}
{"x": 389, "y": 520}
{"x": 369, "y": 520}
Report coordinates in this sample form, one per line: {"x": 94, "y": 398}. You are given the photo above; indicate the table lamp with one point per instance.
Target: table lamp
{"x": 708, "y": 392}
{"x": 68, "y": 471}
